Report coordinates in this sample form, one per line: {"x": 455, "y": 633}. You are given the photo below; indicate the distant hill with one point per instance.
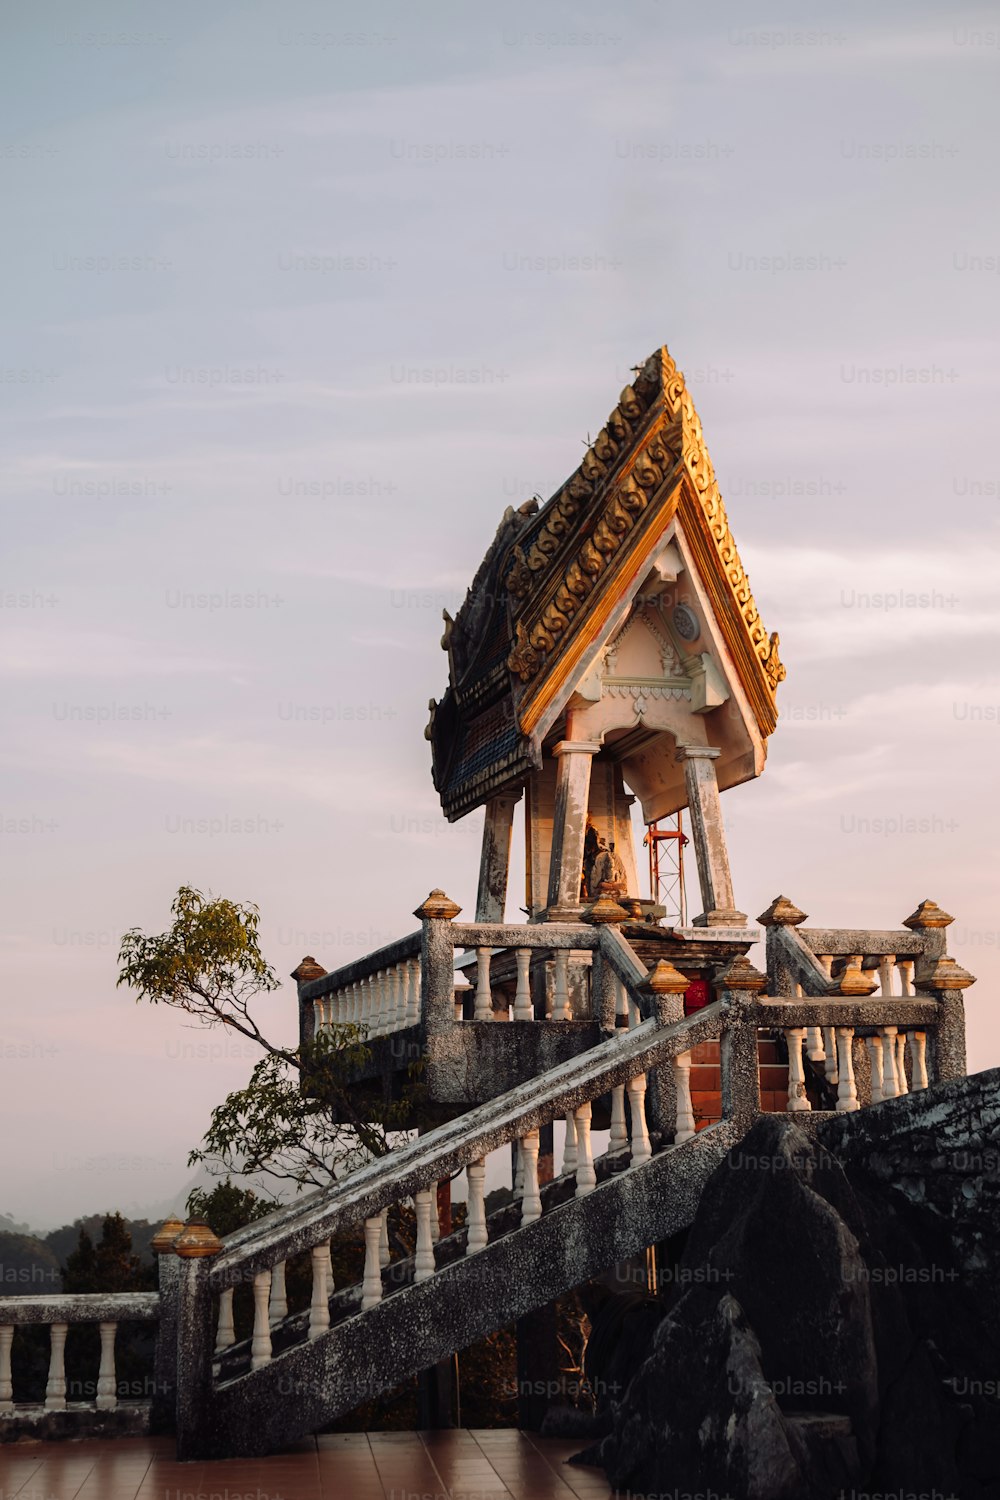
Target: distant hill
{"x": 28, "y": 1266}
{"x": 62, "y": 1242}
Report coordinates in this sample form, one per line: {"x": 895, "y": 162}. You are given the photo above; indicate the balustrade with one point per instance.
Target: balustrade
{"x": 105, "y": 1311}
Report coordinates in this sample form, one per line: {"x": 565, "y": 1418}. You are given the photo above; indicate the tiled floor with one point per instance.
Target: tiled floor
{"x": 493, "y": 1464}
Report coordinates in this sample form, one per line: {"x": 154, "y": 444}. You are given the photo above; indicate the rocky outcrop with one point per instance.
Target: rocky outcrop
{"x": 836, "y": 1320}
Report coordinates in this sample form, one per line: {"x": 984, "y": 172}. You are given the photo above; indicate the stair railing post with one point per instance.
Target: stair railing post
{"x": 439, "y": 1035}
{"x": 663, "y": 996}
{"x": 194, "y": 1358}
{"x": 738, "y": 986}
{"x": 168, "y": 1275}
{"x": 945, "y": 980}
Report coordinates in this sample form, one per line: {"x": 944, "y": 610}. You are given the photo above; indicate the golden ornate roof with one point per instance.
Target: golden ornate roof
{"x": 552, "y": 579}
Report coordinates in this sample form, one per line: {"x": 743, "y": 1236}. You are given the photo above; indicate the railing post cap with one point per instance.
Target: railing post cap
{"x": 437, "y": 908}
{"x": 740, "y": 974}
{"x": 308, "y": 969}
{"x": 927, "y": 914}
{"x": 943, "y": 974}
{"x": 782, "y": 913}
{"x": 165, "y": 1238}
{"x": 853, "y": 982}
{"x": 197, "y": 1241}
{"x": 605, "y": 911}
{"x": 664, "y": 979}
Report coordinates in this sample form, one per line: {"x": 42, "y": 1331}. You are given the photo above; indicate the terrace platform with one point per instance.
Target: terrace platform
{"x": 490, "y": 1464}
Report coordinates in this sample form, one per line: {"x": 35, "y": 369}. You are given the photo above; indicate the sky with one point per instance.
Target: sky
{"x": 296, "y": 301}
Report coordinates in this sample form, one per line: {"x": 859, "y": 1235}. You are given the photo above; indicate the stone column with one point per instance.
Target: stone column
{"x": 569, "y": 826}
{"x": 945, "y": 980}
{"x": 495, "y": 859}
{"x": 442, "y": 1045}
{"x": 709, "y": 837}
{"x": 738, "y": 986}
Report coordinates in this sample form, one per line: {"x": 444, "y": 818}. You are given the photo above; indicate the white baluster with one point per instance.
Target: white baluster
{"x": 560, "y": 987}
{"x": 477, "y": 1235}
{"x": 260, "y": 1344}
{"x": 517, "y": 1186}
{"x": 902, "y": 1087}
{"x": 815, "y": 1050}
{"x": 278, "y": 1303}
{"x": 523, "y": 1008}
{"x": 905, "y": 967}
{"x": 423, "y": 1265}
{"x": 413, "y": 992}
{"x": 830, "y": 1049}
{"x": 319, "y": 1017}
{"x": 319, "y": 1305}
{"x": 435, "y": 1216}
{"x": 384, "y": 1255}
{"x": 886, "y": 965}
{"x": 484, "y": 995}
{"x": 875, "y": 1060}
{"x": 107, "y": 1385}
{"x": 918, "y": 1060}
{"x": 847, "y": 1093}
{"x": 225, "y": 1333}
{"x": 890, "y": 1083}
{"x": 531, "y": 1201}
{"x": 618, "y": 1140}
{"x": 402, "y": 973}
{"x": 371, "y": 1286}
{"x": 682, "y": 1089}
{"x": 569, "y": 1149}
{"x": 384, "y": 1002}
{"x": 586, "y": 1177}
{"x": 55, "y": 1387}
{"x": 6, "y": 1380}
{"x": 621, "y": 1000}
{"x": 641, "y": 1149}
{"x": 460, "y": 992}
{"x": 365, "y": 1008}
{"x": 798, "y": 1101}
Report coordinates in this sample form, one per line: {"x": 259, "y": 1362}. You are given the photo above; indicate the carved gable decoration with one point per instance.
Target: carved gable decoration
{"x": 556, "y": 580}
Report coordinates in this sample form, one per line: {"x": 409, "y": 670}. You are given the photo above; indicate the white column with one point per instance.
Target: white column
{"x": 814, "y": 1044}
{"x": 371, "y": 1286}
{"x": 319, "y": 1305}
{"x": 797, "y": 1099}
{"x": 491, "y": 897}
{"x": 890, "y": 1083}
{"x": 55, "y": 1388}
{"x": 260, "y": 1344}
{"x": 413, "y": 992}
{"x": 560, "y": 986}
{"x": 902, "y": 1087}
{"x": 225, "y": 1333}
{"x": 905, "y": 967}
{"x": 708, "y": 833}
{"x": 278, "y": 1303}
{"x": 641, "y": 1149}
{"x": 477, "y": 1236}
{"x": 847, "y": 1093}
{"x": 830, "y": 1061}
{"x": 918, "y": 1060}
{"x": 569, "y": 822}
{"x": 523, "y": 1008}
{"x": 586, "y": 1177}
{"x": 107, "y": 1386}
{"x": 319, "y": 1017}
{"x": 618, "y": 1140}
{"x": 885, "y": 968}
{"x": 875, "y": 1059}
{"x": 569, "y": 1148}
{"x": 484, "y": 995}
{"x": 531, "y": 1201}
{"x": 423, "y": 1265}
{"x": 682, "y": 1091}
{"x": 6, "y": 1381}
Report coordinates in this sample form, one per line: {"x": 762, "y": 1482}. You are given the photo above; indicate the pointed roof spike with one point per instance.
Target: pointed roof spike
{"x": 927, "y": 914}
{"x": 782, "y": 913}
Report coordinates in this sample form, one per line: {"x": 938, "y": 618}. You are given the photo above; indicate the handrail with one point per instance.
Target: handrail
{"x": 81, "y": 1307}
{"x": 363, "y": 968}
{"x": 451, "y": 1146}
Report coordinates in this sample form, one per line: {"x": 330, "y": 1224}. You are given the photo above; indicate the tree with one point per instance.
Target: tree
{"x": 296, "y": 1119}
{"x": 110, "y": 1266}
